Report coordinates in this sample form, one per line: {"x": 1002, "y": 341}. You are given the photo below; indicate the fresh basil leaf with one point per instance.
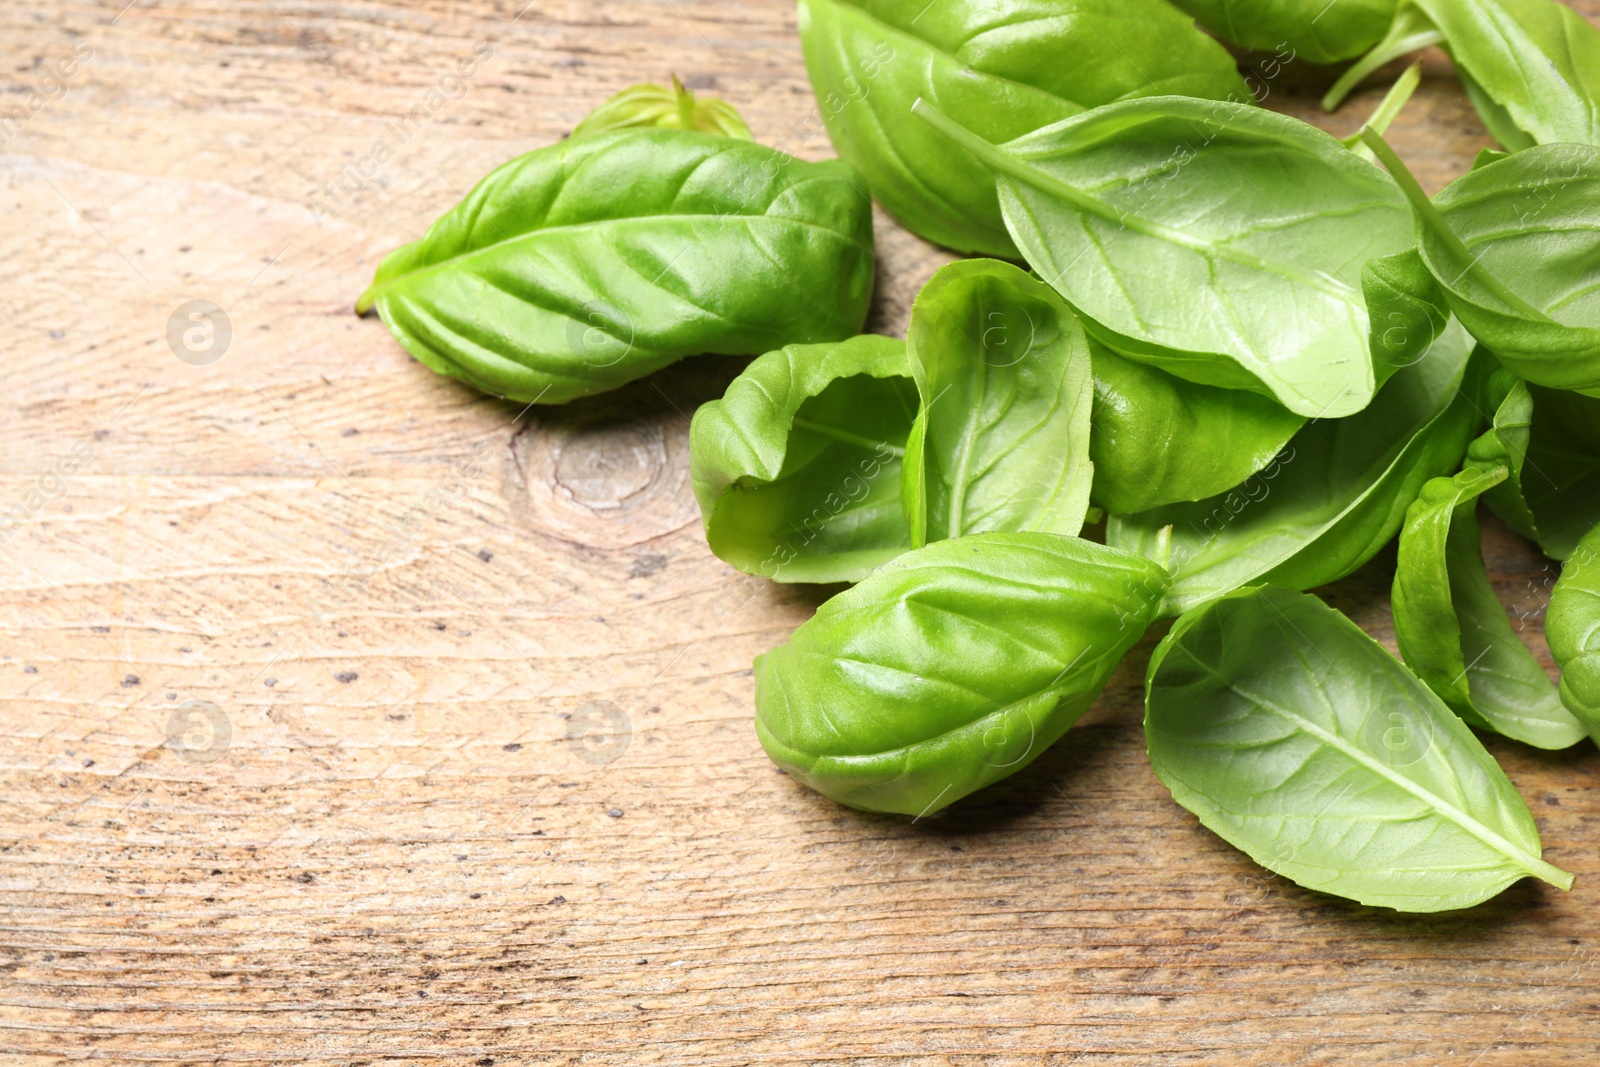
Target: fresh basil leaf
{"x": 1182, "y": 229}
{"x": 674, "y": 108}
{"x": 1515, "y": 247}
{"x": 1001, "y": 67}
{"x": 1297, "y": 738}
{"x": 1572, "y": 624}
{"x": 1452, "y": 629}
{"x": 1160, "y": 440}
{"x": 1561, "y": 478}
{"x": 587, "y": 264}
{"x": 1549, "y": 440}
{"x": 797, "y": 467}
{"x": 1336, "y": 495}
{"x": 1004, "y": 373}
{"x": 1316, "y": 31}
{"x": 1407, "y": 309}
{"x": 1532, "y": 67}
{"x": 951, "y": 667}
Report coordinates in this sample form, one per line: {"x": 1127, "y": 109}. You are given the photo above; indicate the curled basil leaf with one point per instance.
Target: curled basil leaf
{"x": 579, "y": 267}
{"x": 1182, "y": 229}
{"x": 1549, "y": 440}
{"x": 1452, "y": 629}
{"x": 674, "y": 108}
{"x": 1336, "y": 495}
{"x": 1001, "y": 67}
{"x": 1572, "y": 624}
{"x": 951, "y": 667}
{"x": 1313, "y": 30}
{"x": 1007, "y": 388}
{"x": 797, "y": 467}
{"x": 1296, "y": 737}
{"x": 1160, "y": 440}
{"x": 1513, "y": 247}
{"x": 1531, "y": 67}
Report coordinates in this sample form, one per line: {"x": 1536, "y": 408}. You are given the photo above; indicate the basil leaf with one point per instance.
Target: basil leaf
{"x": 1452, "y": 629}
{"x": 1336, "y": 495}
{"x": 1532, "y": 67}
{"x": 1549, "y": 440}
{"x": 1313, "y": 30}
{"x": 674, "y": 108}
{"x": 579, "y": 267}
{"x": 1181, "y": 229}
{"x": 1161, "y": 440}
{"x": 1572, "y": 624}
{"x": 797, "y": 467}
{"x": 951, "y": 667}
{"x": 1002, "y": 67}
{"x": 1297, "y": 738}
{"x": 1003, "y": 369}
{"x": 1512, "y": 245}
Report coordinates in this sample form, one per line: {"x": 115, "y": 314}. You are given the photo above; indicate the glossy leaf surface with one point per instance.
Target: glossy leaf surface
{"x": 1160, "y": 440}
{"x": 1515, "y": 247}
{"x": 1572, "y": 624}
{"x": 1336, "y": 495}
{"x": 1531, "y": 67}
{"x": 1184, "y": 230}
{"x": 951, "y": 667}
{"x": 1004, "y": 373}
{"x": 1312, "y": 30}
{"x": 1003, "y": 67}
{"x": 797, "y": 467}
{"x": 1452, "y": 629}
{"x": 1297, "y": 738}
{"x": 590, "y": 263}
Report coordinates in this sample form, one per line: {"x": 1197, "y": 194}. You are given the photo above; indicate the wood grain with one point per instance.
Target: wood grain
{"x": 404, "y": 600}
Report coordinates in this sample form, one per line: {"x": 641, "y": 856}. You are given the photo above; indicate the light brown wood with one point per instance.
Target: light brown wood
{"x": 398, "y": 594}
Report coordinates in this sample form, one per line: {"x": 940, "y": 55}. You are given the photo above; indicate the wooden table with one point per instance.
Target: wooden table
{"x": 387, "y": 605}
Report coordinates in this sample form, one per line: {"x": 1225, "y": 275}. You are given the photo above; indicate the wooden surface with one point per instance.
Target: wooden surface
{"x": 403, "y": 600}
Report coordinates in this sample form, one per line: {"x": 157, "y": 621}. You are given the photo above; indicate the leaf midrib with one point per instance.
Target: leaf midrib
{"x": 1497, "y": 842}
{"x": 541, "y": 231}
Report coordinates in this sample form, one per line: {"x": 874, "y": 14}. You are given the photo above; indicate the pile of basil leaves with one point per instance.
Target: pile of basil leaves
{"x": 1255, "y": 353}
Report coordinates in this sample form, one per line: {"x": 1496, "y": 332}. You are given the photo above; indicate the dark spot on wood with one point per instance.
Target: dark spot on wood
{"x": 347, "y": 676}
{"x": 615, "y": 813}
{"x": 485, "y": 555}
{"x": 512, "y": 747}
{"x": 129, "y": 680}
{"x": 305, "y": 878}
{"x": 648, "y": 564}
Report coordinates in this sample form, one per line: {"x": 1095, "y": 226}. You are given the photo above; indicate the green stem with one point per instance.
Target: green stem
{"x": 685, "y": 104}
{"x": 1434, "y": 221}
{"x": 1398, "y": 96}
{"x": 1411, "y": 32}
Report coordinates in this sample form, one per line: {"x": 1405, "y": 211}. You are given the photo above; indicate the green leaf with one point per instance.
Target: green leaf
{"x": 1452, "y": 629}
{"x": 674, "y": 108}
{"x": 1006, "y": 382}
{"x": 1160, "y": 440}
{"x": 1512, "y": 245}
{"x": 1298, "y": 739}
{"x": 951, "y": 667}
{"x": 1532, "y": 67}
{"x": 1315, "y": 31}
{"x": 797, "y": 467}
{"x": 1561, "y": 478}
{"x": 1181, "y": 230}
{"x": 1572, "y": 624}
{"x": 1549, "y": 441}
{"x": 1002, "y": 67}
{"x": 579, "y": 267}
{"x": 1336, "y": 495}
